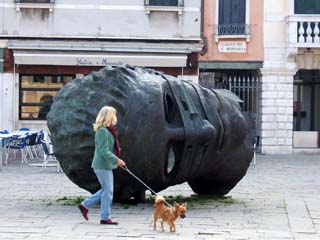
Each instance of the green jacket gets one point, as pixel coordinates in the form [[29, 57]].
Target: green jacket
[[104, 157]]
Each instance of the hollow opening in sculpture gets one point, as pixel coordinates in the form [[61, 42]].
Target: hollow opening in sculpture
[[170, 161], [169, 108]]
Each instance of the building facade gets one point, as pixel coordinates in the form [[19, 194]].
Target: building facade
[[44, 44], [291, 77], [232, 56], [267, 53]]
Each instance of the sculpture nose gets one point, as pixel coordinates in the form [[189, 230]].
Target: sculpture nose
[[176, 133]]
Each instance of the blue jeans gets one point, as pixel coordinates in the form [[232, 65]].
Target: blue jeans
[[104, 195]]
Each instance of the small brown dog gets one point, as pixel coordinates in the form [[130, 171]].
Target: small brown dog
[[167, 214]]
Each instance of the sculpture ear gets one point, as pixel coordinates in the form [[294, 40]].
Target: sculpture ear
[[176, 204], [185, 204]]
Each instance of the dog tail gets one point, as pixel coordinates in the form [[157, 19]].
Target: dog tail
[[159, 200]]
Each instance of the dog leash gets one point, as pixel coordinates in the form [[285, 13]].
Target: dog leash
[[152, 191]]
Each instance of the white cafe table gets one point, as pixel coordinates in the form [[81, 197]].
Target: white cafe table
[[7, 135]]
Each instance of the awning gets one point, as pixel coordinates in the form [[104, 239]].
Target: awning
[[89, 58]]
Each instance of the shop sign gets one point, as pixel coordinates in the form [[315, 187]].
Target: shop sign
[[97, 62], [232, 46]]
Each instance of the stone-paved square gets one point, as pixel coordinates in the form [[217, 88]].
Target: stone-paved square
[[279, 198]]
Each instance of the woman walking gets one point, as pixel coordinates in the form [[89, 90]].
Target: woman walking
[[106, 158]]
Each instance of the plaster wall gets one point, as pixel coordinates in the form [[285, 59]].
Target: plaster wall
[[127, 19], [7, 101], [254, 44]]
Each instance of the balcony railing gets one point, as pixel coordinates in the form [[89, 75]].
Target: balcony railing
[[34, 1], [34, 4], [304, 30], [232, 31], [164, 6], [172, 3]]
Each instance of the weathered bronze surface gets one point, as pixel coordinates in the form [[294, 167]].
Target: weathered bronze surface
[[171, 131]]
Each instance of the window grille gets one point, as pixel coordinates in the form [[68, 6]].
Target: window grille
[[173, 3], [246, 85]]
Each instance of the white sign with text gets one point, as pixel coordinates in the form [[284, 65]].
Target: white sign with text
[[232, 46]]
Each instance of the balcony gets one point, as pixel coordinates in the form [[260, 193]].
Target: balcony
[[164, 6], [304, 31], [232, 31], [34, 1], [43, 4]]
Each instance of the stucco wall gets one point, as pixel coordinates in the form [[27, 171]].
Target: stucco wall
[[7, 99], [101, 19], [254, 45]]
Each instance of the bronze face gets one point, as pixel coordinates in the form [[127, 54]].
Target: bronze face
[[170, 131]]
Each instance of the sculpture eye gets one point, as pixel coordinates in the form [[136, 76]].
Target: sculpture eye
[[170, 161], [169, 107], [174, 157]]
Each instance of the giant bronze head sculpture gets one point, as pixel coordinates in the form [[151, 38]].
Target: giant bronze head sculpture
[[170, 131]]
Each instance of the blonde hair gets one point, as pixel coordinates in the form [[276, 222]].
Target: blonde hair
[[105, 118]]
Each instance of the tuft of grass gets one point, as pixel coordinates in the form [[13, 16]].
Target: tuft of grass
[[70, 201], [126, 206], [196, 199]]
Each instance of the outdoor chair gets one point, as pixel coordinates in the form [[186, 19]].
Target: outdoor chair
[[18, 143], [38, 143], [31, 145], [5, 131], [256, 142], [49, 157], [4, 148], [24, 129]]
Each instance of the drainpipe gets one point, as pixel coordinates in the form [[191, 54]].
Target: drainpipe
[[204, 49], [2, 25], [15, 123]]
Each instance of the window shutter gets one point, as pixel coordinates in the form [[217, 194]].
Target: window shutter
[[232, 11]]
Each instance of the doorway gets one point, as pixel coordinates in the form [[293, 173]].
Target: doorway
[[306, 109]]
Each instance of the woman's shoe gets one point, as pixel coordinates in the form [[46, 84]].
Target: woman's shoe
[[108, 221], [84, 211]]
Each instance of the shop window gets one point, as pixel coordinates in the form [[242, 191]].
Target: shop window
[[36, 94], [232, 17], [307, 7]]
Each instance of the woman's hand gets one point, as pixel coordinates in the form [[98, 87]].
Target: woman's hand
[[121, 163]]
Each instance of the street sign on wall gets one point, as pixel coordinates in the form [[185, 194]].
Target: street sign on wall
[[232, 46]]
